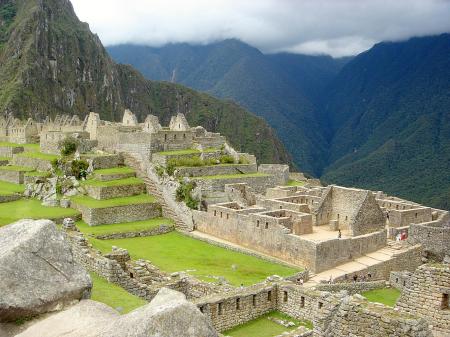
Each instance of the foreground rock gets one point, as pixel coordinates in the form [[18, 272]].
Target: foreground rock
[[168, 315], [37, 271]]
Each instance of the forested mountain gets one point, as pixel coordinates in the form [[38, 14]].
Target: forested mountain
[[51, 63], [389, 110], [380, 120], [282, 88]]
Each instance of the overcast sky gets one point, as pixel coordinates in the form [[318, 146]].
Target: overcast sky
[[335, 27]]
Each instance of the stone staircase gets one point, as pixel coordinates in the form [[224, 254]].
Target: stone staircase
[[134, 161]]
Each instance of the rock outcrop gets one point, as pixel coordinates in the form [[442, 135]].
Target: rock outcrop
[[169, 314], [37, 271]]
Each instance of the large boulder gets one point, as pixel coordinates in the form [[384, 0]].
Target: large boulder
[[168, 315], [38, 273]]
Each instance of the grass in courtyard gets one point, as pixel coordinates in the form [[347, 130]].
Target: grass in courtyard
[[115, 170], [38, 155], [387, 296], [295, 183], [4, 158], [263, 327], [127, 227], [187, 151], [16, 168], [113, 295], [35, 147], [232, 176], [38, 174], [176, 252], [117, 182], [93, 203], [31, 209], [7, 188]]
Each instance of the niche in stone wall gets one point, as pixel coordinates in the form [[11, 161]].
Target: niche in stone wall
[[444, 302]]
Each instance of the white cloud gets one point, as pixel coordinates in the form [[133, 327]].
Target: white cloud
[[335, 27]]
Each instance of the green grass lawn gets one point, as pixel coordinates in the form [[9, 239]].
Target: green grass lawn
[[117, 182], [38, 174], [127, 227], [7, 188], [232, 176], [115, 170], [4, 158], [16, 168], [28, 147], [295, 183], [175, 252], [93, 203], [263, 327], [113, 295], [387, 296], [31, 209], [38, 155]]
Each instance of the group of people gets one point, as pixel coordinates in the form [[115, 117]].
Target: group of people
[[401, 236]]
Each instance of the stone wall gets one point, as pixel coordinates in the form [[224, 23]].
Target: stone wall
[[36, 163], [9, 198], [214, 170], [401, 218], [114, 191], [103, 161], [15, 177], [400, 279], [259, 183], [352, 287], [434, 236], [237, 307], [427, 295], [9, 151], [118, 214], [162, 229], [279, 172]]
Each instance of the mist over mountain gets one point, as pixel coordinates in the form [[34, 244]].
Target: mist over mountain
[[380, 120], [51, 63]]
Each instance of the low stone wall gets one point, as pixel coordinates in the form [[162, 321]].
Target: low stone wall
[[214, 170], [109, 192], [228, 310], [434, 236], [9, 151], [15, 177], [259, 183], [36, 163], [103, 161], [109, 177], [118, 214], [353, 287], [162, 229], [400, 279], [9, 198]]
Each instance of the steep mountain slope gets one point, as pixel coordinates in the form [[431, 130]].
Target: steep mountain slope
[[389, 109], [282, 88], [51, 63]]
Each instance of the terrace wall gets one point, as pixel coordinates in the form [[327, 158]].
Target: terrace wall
[[108, 192], [36, 163]]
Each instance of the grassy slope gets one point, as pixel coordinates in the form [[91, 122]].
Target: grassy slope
[[31, 209], [38, 155], [175, 252], [7, 188], [117, 182], [115, 170], [387, 296], [135, 226], [263, 327], [113, 295]]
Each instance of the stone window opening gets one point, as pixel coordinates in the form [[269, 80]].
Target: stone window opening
[[221, 214], [165, 137], [396, 206], [238, 303], [404, 283], [131, 275], [215, 213], [174, 137], [202, 309], [220, 308], [346, 218], [396, 280], [445, 302], [184, 136], [228, 216], [338, 216], [320, 305], [415, 215], [285, 296], [257, 223], [267, 225], [269, 296], [254, 300], [302, 302]]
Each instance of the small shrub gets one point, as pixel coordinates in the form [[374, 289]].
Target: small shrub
[[226, 159], [159, 171], [55, 164], [184, 193], [68, 146], [79, 168], [243, 160]]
